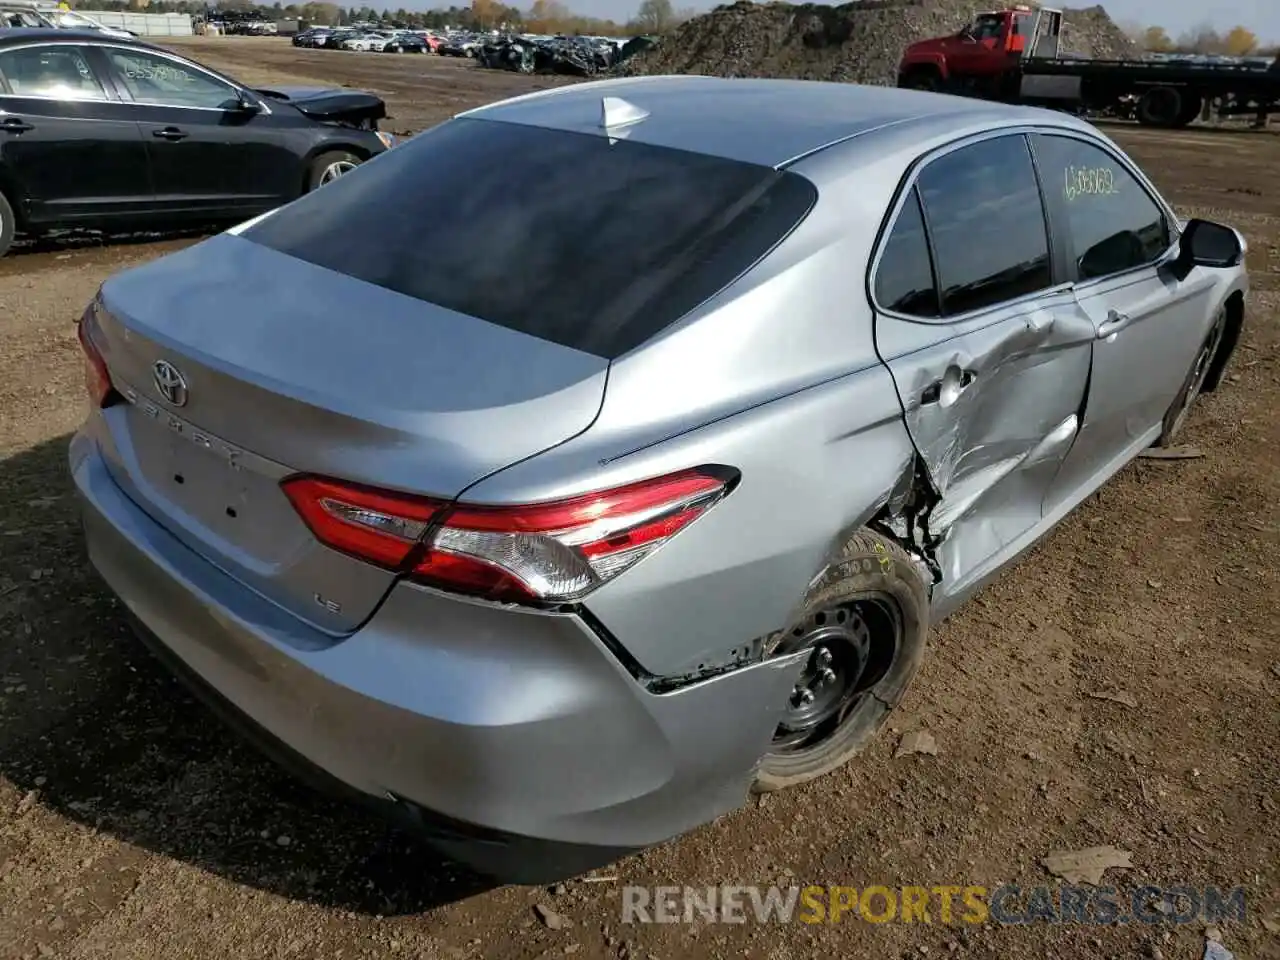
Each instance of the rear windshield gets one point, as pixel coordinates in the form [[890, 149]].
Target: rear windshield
[[564, 236]]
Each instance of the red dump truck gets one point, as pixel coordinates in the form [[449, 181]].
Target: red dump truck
[[1012, 55]]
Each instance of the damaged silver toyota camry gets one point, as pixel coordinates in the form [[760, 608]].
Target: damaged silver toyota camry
[[558, 529]]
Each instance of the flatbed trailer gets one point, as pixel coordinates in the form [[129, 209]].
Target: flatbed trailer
[[1012, 55]]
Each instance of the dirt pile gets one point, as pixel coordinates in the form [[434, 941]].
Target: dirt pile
[[859, 42]]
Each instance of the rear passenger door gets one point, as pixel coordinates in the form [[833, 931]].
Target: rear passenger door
[[989, 351]]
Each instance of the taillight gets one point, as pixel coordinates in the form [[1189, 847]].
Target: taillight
[[97, 380], [380, 527], [551, 552]]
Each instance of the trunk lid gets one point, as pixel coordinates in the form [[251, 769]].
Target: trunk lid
[[285, 368]]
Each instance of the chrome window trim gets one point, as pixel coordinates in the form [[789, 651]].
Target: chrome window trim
[[912, 175]]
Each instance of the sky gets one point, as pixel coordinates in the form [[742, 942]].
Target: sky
[[1260, 16]]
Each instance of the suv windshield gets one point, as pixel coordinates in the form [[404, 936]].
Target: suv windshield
[[590, 243], [22, 18]]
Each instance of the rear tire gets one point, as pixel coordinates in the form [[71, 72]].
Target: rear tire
[[8, 225], [329, 166], [1192, 104], [1176, 416], [1161, 107], [866, 622]]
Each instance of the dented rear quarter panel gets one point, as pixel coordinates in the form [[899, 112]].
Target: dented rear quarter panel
[[777, 377]]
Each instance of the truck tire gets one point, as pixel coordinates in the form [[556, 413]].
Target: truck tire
[[1162, 107], [1192, 104], [921, 78], [864, 622]]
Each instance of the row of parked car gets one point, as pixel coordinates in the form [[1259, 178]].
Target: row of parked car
[[373, 40]]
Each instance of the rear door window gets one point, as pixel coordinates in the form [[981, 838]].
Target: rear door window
[[569, 237], [904, 277], [985, 216], [53, 72]]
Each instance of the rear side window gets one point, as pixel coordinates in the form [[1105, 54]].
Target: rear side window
[[986, 220], [58, 72], [565, 236], [904, 276], [1113, 224]]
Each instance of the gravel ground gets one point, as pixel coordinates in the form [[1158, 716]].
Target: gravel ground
[[133, 827]]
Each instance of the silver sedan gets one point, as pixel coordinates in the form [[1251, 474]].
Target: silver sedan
[[558, 529]]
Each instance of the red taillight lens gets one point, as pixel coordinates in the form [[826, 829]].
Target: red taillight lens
[[97, 380], [371, 524], [546, 552]]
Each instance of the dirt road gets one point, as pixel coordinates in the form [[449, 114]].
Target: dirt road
[[133, 827]]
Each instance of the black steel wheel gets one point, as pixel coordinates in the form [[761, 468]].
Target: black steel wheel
[[851, 647], [863, 627]]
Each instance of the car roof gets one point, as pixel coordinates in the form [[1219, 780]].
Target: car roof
[[764, 121], [15, 36]]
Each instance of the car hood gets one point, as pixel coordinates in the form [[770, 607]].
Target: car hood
[[329, 103]]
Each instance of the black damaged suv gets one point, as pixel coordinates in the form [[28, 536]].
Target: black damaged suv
[[121, 134]]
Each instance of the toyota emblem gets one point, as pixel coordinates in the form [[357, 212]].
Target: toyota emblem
[[170, 382]]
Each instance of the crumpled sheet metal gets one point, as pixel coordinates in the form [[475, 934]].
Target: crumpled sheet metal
[[574, 56], [943, 430]]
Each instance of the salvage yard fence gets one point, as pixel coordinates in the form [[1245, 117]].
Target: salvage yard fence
[[145, 24]]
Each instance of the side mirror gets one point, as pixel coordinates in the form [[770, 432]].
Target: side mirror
[[246, 104], [1206, 244]]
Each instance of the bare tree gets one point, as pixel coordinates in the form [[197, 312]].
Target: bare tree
[[655, 16], [1202, 39]]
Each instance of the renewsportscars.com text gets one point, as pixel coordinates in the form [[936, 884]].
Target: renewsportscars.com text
[[947, 904]]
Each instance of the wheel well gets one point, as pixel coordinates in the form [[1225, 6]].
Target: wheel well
[[921, 69], [1227, 347], [19, 213]]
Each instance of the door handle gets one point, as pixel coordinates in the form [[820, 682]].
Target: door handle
[[1115, 322], [15, 125], [947, 389], [170, 133]]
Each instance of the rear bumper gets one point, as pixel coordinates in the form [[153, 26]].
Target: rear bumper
[[512, 740]]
